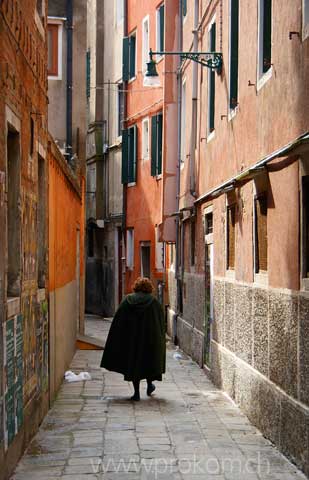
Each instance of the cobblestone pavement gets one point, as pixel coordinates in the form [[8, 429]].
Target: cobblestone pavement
[[97, 327], [188, 430]]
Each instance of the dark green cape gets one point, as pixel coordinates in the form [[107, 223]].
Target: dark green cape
[[135, 345]]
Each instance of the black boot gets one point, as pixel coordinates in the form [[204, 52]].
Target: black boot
[[150, 388], [136, 396]]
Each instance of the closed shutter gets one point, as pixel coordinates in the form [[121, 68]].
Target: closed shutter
[[160, 135], [154, 146], [184, 7], [234, 53], [231, 217], [261, 233], [212, 81], [132, 46], [305, 195], [125, 156], [125, 59], [267, 21], [88, 74], [161, 14], [134, 153]]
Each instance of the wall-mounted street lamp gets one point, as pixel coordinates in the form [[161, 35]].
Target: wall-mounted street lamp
[[211, 60]]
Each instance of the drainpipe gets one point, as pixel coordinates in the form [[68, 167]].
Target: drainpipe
[[179, 88], [124, 189], [69, 139], [194, 102]]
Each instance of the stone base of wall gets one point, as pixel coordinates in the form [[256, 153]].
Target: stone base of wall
[[34, 414], [279, 417]]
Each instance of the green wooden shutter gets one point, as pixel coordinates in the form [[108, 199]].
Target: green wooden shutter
[[267, 21], [161, 15], [184, 7], [212, 79], [234, 53], [125, 156], [132, 48], [160, 135], [125, 59], [134, 138], [154, 148], [88, 73]]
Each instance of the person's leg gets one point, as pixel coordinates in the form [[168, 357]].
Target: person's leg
[[136, 395], [150, 387]]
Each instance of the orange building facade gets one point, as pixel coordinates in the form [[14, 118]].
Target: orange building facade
[[149, 160]]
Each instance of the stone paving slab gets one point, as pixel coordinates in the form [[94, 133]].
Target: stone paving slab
[[188, 430]]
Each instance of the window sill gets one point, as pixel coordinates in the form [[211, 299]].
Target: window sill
[[54, 77], [264, 79], [131, 80], [232, 113], [13, 306], [132, 184], [261, 279], [211, 136], [159, 177], [230, 274], [305, 284], [209, 239]]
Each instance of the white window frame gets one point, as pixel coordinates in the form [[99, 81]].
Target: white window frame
[[183, 142], [130, 249], [119, 12], [305, 19], [262, 78], [58, 21], [145, 139], [159, 252], [145, 39], [159, 57]]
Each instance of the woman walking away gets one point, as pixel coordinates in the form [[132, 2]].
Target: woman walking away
[[135, 345]]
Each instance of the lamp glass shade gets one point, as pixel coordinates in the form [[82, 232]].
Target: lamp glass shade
[[150, 81]]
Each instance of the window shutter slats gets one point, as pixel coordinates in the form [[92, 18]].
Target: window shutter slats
[[261, 233], [267, 35], [125, 156], [160, 134], [134, 159], [162, 28], [212, 79], [234, 53], [125, 59], [153, 146], [132, 46], [231, 219], [88, 73]]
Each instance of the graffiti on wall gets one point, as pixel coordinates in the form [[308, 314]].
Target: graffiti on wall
[[13, 377]]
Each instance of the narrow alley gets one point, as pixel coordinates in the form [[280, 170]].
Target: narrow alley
[[187, 430]]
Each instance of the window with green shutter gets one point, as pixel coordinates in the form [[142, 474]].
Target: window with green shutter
[[129, 57], [184, 8], [211, 81], [129, 155], [156, 144], [234, 41], [267, 21], [160, 28]]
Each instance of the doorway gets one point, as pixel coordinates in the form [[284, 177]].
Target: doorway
[[209, 299], [145, 259]]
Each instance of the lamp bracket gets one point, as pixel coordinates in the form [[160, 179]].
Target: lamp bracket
[[211, 60]]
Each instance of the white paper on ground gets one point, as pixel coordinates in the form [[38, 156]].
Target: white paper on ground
[[72, 377]]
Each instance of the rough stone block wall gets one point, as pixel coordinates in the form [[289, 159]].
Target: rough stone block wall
[[259, 356], [190, 325]]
